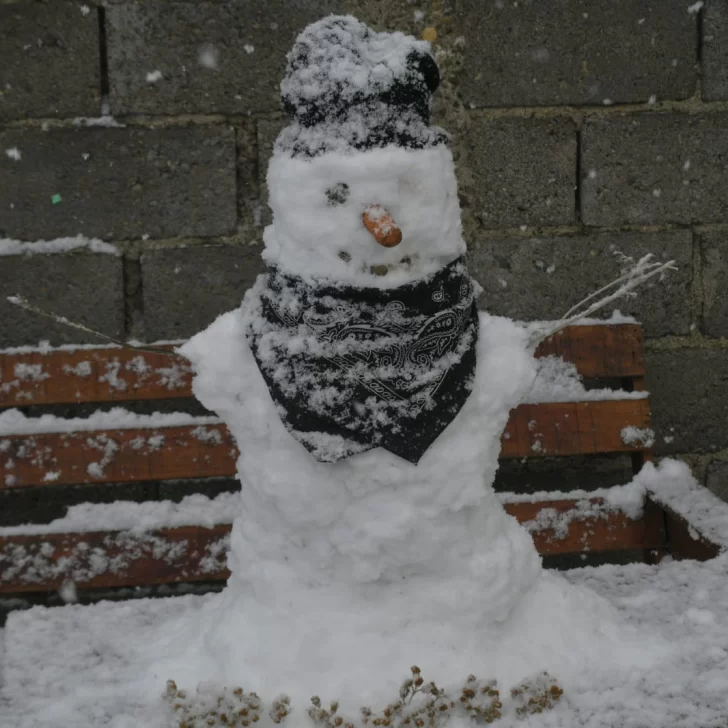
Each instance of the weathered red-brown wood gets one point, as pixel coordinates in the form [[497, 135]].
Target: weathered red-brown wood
[[601, 351], [116, 456], [115, 374], [32, 563], [576, 530], [91, 375], [113, 559], [573, 428]]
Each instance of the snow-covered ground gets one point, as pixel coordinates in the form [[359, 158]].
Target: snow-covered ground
[[107, 664], [90, 666]]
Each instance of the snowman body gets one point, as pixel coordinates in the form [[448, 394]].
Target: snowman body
[[347, 571]]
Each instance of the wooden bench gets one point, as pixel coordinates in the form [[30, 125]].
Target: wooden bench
[[40, 558]]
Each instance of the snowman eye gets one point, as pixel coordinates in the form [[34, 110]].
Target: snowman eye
[[338, 194]]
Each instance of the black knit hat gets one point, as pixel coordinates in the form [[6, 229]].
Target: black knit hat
[[374, 88]]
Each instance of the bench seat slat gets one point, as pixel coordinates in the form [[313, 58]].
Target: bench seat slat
[[115, 375], [36, 563], [118, 456]]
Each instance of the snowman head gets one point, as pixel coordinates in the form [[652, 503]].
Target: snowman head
[[362, 188]]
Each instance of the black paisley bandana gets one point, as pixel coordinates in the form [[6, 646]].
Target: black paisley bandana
[[350, 369]]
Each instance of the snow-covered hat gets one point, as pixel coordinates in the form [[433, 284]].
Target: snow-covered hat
[[360, 87]]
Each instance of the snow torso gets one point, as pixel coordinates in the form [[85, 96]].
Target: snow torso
[[372, 516], [344, 574]]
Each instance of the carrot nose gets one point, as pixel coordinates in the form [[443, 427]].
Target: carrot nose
[[382, 226]]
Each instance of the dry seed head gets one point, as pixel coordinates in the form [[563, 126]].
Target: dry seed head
[[255, 718], [415, 670]]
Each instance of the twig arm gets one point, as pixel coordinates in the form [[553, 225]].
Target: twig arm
[[26, 305]]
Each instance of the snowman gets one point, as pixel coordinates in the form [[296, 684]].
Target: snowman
[[368, 396]]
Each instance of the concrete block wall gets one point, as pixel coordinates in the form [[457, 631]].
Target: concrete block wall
[[580, 128]]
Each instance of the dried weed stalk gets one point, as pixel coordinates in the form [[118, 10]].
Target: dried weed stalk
[[420, 705]]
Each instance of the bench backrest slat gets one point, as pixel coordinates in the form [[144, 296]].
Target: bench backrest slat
[[116, 375], [533, 430]]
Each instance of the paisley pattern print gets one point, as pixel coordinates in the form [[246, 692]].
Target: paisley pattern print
[[357, 368]]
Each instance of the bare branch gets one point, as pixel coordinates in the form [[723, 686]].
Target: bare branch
[[633, 277]]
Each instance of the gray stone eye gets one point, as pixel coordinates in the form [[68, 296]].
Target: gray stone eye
[[338, 194]]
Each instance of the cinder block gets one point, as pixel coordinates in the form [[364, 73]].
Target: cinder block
[[85, 287], [523, 171], [715, 50], [689, 394], [654, 168], [49, 60], [186, 288], [203, 57], [542, 278], [714, 252], [717, 479], [118, 183], [591, 52]]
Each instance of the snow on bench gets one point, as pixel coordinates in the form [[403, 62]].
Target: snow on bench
[[96, 547]]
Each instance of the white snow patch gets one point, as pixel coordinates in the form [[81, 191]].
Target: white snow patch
[[105, 120], [638, 436], [82, 369], [193, 510], [44, 347], [154, 76], [249, 48], [14, 422], [672, 484], [14, 154], [59, 245], [208, 56], [85, 9], [30, 372], [695, 8], [68, 592]]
